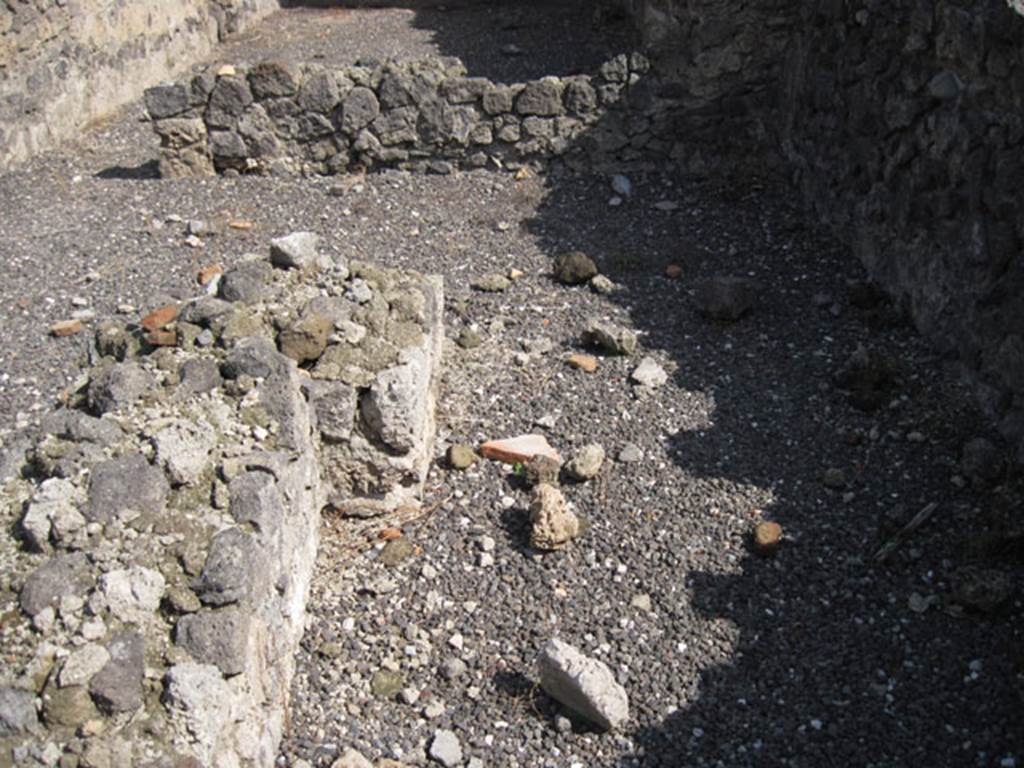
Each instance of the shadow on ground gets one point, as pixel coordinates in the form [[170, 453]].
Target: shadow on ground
[[515, 40], [833, 658]]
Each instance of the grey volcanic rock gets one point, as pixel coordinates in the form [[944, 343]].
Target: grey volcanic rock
[[232, 567], [68, 574], [248, 282], [584, 685], [166, 100], [216, 637], [727, 298], [206, 310], [256, 357], [118, 686], [334, 403], [255, 499], [117, 386], [613, 339], [17, 711], [272, 79], [541, 97], [358, 109], [574, 268], [128, 482], [198, 376]]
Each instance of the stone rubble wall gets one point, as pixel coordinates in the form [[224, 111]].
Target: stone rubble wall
[[902, 123], [425, 115], [165, 522], [65, 63], [905, 122]]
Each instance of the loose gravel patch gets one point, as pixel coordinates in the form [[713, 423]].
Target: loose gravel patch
[[728, 658]]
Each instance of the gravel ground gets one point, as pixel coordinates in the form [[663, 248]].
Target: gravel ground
[[816, 655]]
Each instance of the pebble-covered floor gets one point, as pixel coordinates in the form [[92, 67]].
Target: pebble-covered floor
[[814, 656]]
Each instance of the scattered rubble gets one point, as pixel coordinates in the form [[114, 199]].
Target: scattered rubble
[[584, 685], [519, 450]]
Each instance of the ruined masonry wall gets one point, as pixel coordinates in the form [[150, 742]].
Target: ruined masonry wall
[[166, 521], [902, 123], [64, 63], [421, 115]]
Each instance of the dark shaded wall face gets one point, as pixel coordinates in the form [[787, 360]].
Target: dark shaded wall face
[[902, 123]]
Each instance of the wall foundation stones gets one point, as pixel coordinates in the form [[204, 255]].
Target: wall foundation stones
[[424, 115], [169, 550]]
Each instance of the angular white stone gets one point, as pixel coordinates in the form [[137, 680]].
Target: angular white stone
[[649, 373], [586, 686], [83, 664], [445, 748], [184, 449], [55, 499], [132, 594], [200, 704]]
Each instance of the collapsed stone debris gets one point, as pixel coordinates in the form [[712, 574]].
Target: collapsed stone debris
[[169, 515]]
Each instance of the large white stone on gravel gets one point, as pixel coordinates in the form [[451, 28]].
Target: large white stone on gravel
[[585, 685], [649, 373], [132, 594], [299, 250], [446, 749]]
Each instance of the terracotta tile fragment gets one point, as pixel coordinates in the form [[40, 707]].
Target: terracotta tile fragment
[[160, 317], [518, 449], [66, 328], [587, 363], [207, 273]]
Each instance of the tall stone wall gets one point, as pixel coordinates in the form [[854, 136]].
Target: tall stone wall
[[905, 122], [902, 124], [64, 63]]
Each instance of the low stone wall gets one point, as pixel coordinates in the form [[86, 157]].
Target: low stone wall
[[64, 64], [421, 115], [167, 519]]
